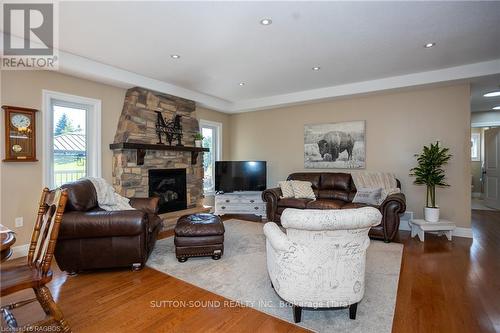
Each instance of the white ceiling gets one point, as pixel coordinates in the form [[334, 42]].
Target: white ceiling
[[360, 46]]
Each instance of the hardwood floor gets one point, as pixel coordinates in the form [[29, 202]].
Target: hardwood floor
[[444, 287]]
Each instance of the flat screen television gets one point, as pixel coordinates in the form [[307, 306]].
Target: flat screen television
[[232, 176]]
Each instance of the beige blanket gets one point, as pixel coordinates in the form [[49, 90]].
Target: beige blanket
[[385, 180]]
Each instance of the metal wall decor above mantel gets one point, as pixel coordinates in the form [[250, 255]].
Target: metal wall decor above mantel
[[141, 149]]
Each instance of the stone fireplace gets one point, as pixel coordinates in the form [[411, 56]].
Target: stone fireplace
[[133, 168]]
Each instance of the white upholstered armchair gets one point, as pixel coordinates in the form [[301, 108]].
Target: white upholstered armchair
[[320, 261]]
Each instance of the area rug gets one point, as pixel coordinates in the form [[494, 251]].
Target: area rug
[[241, 275]]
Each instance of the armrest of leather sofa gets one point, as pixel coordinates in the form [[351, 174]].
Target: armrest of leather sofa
[[396, 201], [271, 197], [93, 224], [148, 205], [391, 208]]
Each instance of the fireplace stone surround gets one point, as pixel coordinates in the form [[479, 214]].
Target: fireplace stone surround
[[137, 125]]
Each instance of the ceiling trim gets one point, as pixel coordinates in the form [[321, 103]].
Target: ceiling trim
[[93, 70], [86, 68], [395, 82]]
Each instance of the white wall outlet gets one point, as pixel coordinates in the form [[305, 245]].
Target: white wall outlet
[[19, 222]]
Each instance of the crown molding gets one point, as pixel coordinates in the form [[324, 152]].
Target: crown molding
[[86, 68], [396, 82]]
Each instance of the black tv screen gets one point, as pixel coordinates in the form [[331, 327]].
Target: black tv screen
[[231, 176]]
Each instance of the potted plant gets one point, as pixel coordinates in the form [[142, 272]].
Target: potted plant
[[198, 138], [430, 172]]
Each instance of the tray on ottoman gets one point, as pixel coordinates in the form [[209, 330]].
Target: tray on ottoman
[[199, 235]]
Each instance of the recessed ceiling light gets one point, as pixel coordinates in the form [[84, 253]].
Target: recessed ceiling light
[[175, 56], [429, 45], [241, 84], [316, 68], [496, 107], [266, 21], [492, 94]]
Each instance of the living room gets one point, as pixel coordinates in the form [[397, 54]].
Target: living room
[[315, 121]]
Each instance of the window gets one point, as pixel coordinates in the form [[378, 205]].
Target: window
[[475, 152], [72, 138], [212, 133]]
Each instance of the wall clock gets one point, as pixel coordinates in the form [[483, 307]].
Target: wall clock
[[20, 135]]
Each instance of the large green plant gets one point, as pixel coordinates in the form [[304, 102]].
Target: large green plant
[[429, 170]]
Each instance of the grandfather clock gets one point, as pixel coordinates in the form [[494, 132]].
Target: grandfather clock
[[20, 134]]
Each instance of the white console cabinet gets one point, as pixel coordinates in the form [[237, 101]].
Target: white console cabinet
[[240, 203]]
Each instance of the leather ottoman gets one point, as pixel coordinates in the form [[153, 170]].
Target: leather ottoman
[[199, 235]]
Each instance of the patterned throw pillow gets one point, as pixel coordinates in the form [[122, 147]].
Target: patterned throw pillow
[[302, 190], [370, 196], [286, 189]]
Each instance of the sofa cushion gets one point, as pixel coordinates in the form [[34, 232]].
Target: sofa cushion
[[307, 177], [334, 195], [325, 204], [335, 181], [293, 203], [81, 195]]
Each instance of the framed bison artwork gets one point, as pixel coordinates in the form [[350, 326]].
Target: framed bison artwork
[[335, 145]]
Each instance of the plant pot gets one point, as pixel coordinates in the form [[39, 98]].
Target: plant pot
[[431, 214], [197, 143]]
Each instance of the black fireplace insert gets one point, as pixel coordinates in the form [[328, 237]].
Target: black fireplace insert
[[170, 186]]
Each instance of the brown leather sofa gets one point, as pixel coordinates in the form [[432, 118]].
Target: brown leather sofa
[[92, 238], [336, 191]]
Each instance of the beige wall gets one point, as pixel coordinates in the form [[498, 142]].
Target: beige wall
[[21, 183], [224, 119], [397, 126]]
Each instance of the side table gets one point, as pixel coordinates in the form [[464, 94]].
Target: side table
[[419, 227]]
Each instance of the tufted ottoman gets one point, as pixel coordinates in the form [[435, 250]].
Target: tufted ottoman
[[199, 235]]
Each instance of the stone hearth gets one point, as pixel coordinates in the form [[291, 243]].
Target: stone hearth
[[137, 125]]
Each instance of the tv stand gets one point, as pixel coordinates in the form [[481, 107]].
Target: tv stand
[[248, 202]]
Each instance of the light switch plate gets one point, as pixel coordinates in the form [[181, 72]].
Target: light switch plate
[[19, 222]]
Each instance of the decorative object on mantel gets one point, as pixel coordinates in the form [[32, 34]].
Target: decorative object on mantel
[[430, 172], [198, 140], [335, 146], [172, 129], [20, 134], [142, 147]]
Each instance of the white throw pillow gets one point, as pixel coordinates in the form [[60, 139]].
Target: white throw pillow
[[286, 189], [302, 190], [370, 196]]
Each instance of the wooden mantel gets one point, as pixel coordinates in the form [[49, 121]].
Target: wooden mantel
[[141, 149]]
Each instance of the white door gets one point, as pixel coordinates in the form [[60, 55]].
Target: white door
[[492, 168]]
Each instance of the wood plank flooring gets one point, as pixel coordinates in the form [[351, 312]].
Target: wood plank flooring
[[444, 287]]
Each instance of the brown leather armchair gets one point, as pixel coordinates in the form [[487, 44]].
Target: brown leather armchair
[[92, 238], [336, 190]]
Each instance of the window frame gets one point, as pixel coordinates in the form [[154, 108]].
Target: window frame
[[92, 128], [218, 147], [477, 138]]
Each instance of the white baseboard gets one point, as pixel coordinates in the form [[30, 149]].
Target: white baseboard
[[20, 251], [462, 232], [476, 194]]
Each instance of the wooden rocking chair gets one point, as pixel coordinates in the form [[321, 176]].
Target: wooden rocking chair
[[36, 273]]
